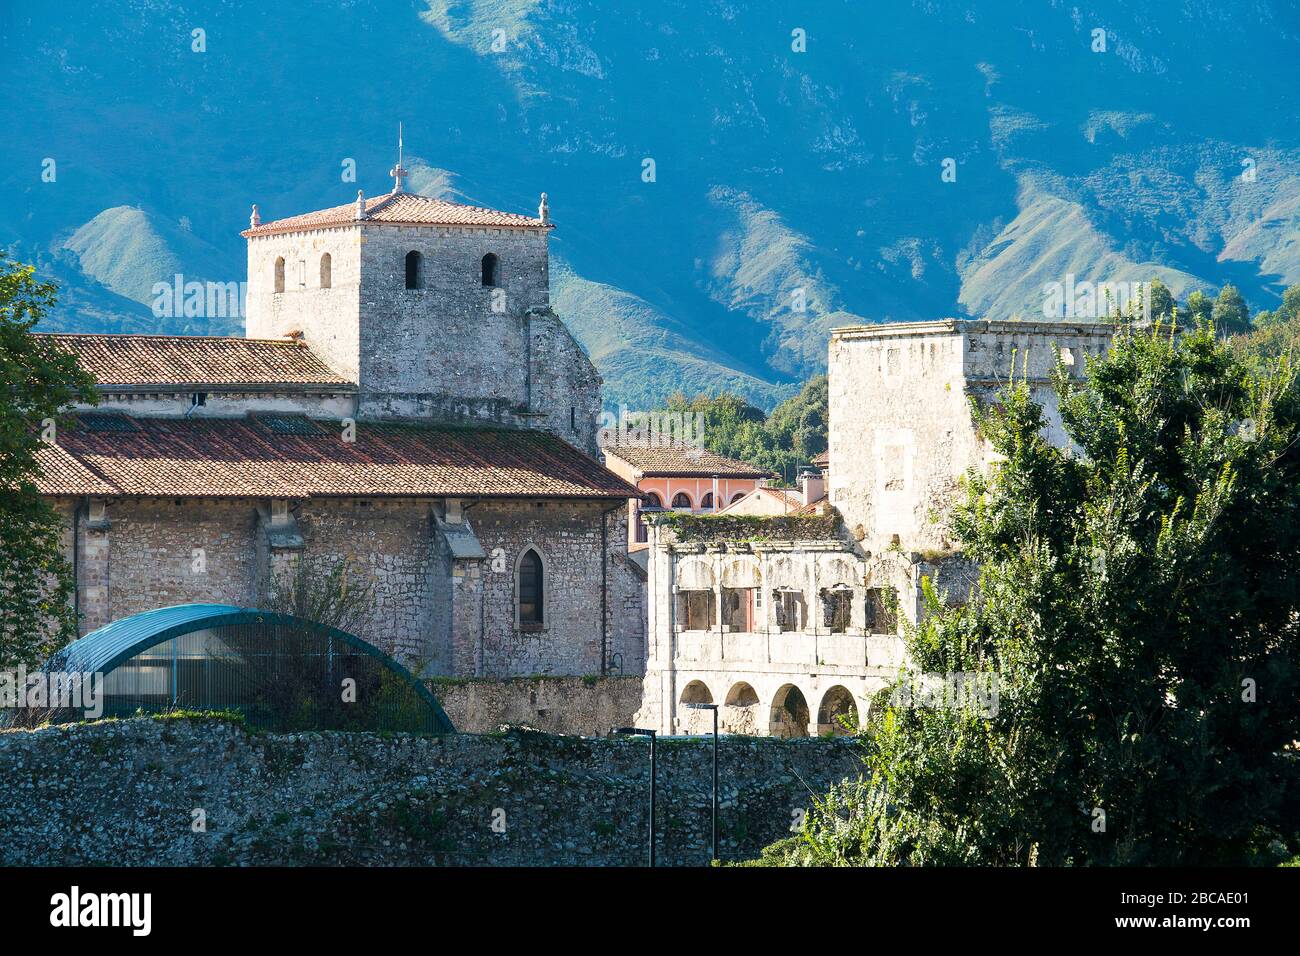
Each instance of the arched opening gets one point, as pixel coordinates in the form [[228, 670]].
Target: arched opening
[[693, 721], [490, 269], [740, 713], [707, 500], [737, 496], [681, 500], [652, 501], [789, 717], [279, 274], [696, 692], [531, 589], [838, 713], [326, 271], [413, 264]]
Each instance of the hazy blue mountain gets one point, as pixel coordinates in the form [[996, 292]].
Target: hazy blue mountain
[[793, 191]]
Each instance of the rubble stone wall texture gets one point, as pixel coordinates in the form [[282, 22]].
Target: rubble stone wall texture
[[126, 793], [557, 705]]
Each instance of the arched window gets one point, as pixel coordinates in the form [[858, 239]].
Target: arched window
[[413, 270], [681, 500], [707, 500], [652, 500], [326, 271], [737, 496], [490, 270], [530, 588], [279, 274]]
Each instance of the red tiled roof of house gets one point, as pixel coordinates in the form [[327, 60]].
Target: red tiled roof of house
[[682, 461], [822, 460], [819, 507], [248, 457], [62, 474], [404, 208], [143, 360]]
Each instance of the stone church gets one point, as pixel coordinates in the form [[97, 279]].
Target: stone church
[[405, 398]]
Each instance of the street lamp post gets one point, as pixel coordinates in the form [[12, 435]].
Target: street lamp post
[[641, 732], [714, 708]]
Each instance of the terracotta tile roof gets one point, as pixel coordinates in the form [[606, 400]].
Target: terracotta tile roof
[[406, 208], [682, 461], [62, 474], [142, 360], [822, 460], [246, 457], [819, 507]]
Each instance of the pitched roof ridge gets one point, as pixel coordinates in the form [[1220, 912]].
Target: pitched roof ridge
[[173, 337]]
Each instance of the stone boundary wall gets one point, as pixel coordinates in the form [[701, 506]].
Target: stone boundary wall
[[587, 706], [126, 793]]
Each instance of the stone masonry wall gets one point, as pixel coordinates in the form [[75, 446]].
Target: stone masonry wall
[[125, 793], [326, 317], [434, 617], [558, 705], [445, 338], [568, 539], [152, 561]]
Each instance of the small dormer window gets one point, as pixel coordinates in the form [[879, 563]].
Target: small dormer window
[[491, 267], [326, 271], [413, 265], [279, 274]]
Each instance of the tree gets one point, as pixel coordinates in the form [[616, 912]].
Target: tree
[[1288, 310], [38, 380], [1199, 307], [1231, 315], [1162, 300], [781, 443], [1136, 606]]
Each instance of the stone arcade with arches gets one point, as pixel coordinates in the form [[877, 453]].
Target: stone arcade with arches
[[795, 628]]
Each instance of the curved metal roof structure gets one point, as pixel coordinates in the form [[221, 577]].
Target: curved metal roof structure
[[103, 650]]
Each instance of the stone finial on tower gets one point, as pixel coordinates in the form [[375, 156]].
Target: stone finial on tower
[[544, 210], [360, 212], [255, 219], [398, 172]]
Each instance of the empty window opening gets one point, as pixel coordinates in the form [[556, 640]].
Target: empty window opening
[[738, 609], [490, 269], [413, 267], [696, 610], [881, 611], [790, 610], [837, 609]]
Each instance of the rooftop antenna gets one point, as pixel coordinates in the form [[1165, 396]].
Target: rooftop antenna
[[398, 172]]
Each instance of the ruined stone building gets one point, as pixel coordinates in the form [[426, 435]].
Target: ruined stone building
[[405, 398], [790, 626]]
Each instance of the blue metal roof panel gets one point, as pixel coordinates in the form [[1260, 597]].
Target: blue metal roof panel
[[104, 648], [101, 647]]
